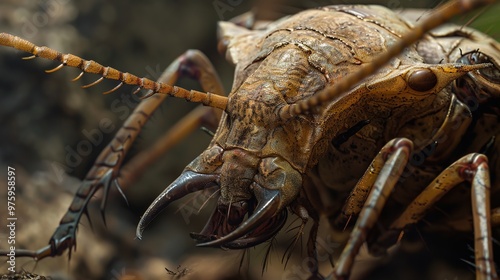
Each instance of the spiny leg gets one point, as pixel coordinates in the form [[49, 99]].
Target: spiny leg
[[356, 199], [105, 170], [474, 169], [394, 157]]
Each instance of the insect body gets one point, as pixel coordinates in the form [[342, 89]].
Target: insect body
[[296, 137]]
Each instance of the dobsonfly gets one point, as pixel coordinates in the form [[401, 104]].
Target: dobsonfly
[[300, 124]]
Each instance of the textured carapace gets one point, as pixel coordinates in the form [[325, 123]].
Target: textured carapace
[[255, 154], [318, 99]]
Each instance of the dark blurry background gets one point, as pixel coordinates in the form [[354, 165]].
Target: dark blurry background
[[45, 117]]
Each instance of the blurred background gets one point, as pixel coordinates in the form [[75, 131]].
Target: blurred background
[[46, 118]]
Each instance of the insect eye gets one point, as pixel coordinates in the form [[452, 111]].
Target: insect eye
[[477, 57], [492, 74], [422, 80]]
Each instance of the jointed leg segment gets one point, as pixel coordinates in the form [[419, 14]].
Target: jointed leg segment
[[379, 180], [472, 168], [106, 169], [393, 156]]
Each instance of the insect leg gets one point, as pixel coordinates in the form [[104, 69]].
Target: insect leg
[[474, 169], [312, 251], [393, 158], [105, 170], [198, 67], [304, 210], [357, 198]]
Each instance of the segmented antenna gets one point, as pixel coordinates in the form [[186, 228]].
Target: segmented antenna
[[90, 66], [436, 18]]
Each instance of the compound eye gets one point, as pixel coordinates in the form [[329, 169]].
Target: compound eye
[[490, 73], [422, 80], [478, 57]]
